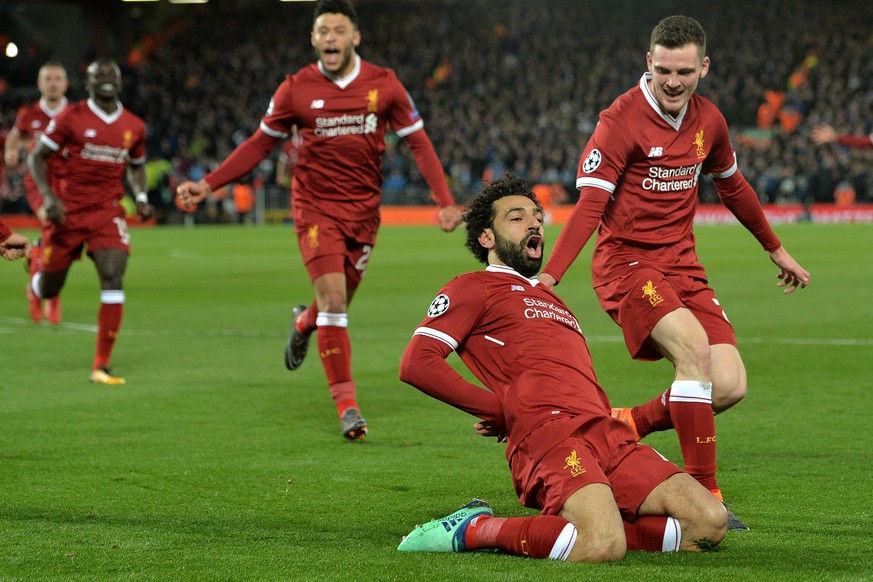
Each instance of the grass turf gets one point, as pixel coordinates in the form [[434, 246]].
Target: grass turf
[[215, 463]]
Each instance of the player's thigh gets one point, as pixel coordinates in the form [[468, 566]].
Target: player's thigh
[[111, 264], [637, 302], [592, 510], [680, 337]]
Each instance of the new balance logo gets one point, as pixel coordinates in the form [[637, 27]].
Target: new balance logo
[[317, 104], [516, 288], [656, 152]]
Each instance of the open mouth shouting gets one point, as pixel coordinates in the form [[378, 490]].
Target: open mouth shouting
[[534, 246]]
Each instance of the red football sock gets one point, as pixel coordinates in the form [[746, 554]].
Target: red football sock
[[108, 324], [539, 536], [335, 350], [653, 533], [305, 322], [342, 405], [654, 415], [35, 260], [691, 410]]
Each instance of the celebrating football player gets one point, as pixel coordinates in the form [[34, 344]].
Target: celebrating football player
[[638, 180], [342, 107], [600, 492], [103, 142]]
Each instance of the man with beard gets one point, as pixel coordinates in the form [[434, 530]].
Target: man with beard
[[638, 182], [102, 142], [341, 106], [600, 492]]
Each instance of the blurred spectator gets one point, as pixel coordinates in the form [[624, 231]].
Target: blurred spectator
[[509, 85]]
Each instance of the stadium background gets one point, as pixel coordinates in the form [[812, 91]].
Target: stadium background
[[503, 85], [215, 463]]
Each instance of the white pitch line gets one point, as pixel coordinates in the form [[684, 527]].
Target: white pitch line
[[72, 326]]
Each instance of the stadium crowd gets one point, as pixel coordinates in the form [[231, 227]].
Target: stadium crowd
[[509, 86]]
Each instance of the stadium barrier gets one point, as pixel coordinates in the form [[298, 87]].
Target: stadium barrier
[[706, 214]]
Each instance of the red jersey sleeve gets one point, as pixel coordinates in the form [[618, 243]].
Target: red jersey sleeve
[[22, 123], [580, 226], [856, 141], [740, 198], [242, 160], [601, 166], [406, 121], [280, 117], [275, 126], [430, 167], [5, 231], [450, 320], [424, 366]]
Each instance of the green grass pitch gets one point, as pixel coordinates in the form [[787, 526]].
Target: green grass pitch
[[215, 463]]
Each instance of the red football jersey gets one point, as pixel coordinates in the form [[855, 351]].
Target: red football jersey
[[5, 231], [342, 124], [651, 164], [497, 320], [32, 120], [98, 148]]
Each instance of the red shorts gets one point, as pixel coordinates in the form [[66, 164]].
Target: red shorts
[[330, 245], [638, 301], [100, 229], [600, 451]]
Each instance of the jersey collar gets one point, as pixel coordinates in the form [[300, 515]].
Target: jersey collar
[[675, 123], [510, 271], [53, 112], [106, 117], [345, 81]]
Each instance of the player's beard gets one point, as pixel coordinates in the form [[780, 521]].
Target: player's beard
[[346, 56], [515, 255]]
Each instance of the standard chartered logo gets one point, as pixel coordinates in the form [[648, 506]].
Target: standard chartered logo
[[103, 153], [346, 125], [371, 123], [536, 309], [672, 179]]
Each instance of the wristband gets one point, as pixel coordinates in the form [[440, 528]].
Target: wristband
[[142, 197]]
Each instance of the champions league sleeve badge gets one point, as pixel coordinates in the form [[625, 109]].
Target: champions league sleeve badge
[[438, 306], [592, 162]]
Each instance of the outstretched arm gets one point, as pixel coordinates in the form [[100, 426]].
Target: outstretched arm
[[424, 366], [824, 133], [740, 198], [239, 163], [432, 171], [581, 225], [791, 274]]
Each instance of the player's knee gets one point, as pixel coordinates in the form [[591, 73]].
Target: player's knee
[[710, 525], [727, 397], [728, 388], [599, 547]]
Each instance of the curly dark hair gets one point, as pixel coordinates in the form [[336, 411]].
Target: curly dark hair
[[479, 214], [676, 31], [336, 7]]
